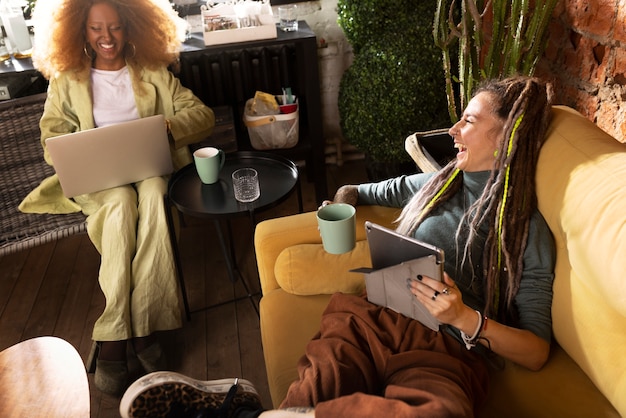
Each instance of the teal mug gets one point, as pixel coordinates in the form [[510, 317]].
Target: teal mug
[[337, 225], [209, 161]]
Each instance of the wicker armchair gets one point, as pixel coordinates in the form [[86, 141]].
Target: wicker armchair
[[22, 168]]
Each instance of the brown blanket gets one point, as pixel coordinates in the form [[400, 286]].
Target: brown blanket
[[368, 361]]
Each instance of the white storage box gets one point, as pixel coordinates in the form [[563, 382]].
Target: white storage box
[[223, 26]]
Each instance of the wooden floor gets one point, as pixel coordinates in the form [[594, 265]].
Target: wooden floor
[[53, 290]]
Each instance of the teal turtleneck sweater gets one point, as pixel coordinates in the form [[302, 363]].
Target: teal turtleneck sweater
[[534, 298]]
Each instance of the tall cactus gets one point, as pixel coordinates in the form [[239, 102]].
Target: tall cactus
[[514, 44]]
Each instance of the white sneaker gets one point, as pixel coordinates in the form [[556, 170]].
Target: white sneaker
[[169, 394]]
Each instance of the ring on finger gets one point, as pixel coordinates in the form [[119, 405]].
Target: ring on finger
[[435, 295], [446, 291]]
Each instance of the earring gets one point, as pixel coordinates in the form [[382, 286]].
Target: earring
[[495, 154], [86, 51], [134, 49]]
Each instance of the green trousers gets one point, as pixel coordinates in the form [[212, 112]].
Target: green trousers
[[128, 227]]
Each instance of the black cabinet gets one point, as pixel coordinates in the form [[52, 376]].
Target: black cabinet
[[230, 74]]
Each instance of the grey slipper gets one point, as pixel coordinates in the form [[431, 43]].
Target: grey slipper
[[111, 377], [152, 358]]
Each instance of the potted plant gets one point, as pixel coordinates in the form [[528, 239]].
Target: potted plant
[[394, 86]]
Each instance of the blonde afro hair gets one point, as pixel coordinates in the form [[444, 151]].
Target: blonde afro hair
[[153, 30]]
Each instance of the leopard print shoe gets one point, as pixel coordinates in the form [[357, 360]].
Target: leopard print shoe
[[169, 394]]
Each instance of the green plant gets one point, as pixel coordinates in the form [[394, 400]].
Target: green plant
[[394, 86], [365, 21], [382, 100], [29, 6], [494, 38]]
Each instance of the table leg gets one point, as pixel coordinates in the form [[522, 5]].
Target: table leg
[[177, 263], [228, 251], [299, 193]]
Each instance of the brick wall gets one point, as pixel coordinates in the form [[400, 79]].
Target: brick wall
[[586, 60]]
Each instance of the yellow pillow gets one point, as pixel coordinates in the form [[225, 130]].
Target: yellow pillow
[[306, 269], [581, 178]]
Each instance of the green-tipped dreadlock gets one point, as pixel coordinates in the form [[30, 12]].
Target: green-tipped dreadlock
[[496, 299], [445, 187]]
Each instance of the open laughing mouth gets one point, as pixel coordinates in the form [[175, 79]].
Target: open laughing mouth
[[107, 47], [460, 147]]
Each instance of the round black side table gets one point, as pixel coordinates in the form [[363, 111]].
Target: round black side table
[[278, 178]]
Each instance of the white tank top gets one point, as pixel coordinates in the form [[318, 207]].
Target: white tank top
[[113, 97]]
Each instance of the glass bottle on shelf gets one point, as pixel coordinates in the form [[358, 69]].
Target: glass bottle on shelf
[[15, 27]]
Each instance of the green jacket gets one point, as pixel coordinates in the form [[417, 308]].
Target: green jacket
[[69, 108]]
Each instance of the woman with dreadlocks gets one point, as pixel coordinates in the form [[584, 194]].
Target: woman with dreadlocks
[[495, 300], [497, 291]]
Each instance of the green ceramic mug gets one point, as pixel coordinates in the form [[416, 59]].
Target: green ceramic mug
[[209, 161], [337, 225]]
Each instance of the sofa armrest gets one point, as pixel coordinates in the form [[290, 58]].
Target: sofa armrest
[[274, 235]]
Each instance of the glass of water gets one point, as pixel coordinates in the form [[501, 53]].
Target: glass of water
[[288, 17], [246, 185]]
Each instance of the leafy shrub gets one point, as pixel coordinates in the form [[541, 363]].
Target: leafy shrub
[[395, 85]]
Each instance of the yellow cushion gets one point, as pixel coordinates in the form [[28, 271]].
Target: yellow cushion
[[288, 323], [565, 391], [272, 236], [307, 269], [581, 179]]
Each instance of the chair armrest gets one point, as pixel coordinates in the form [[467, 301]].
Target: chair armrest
[[274, 235], [430, 150]]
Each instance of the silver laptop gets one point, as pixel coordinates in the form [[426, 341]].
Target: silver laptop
[[101, 158], [395, 258]]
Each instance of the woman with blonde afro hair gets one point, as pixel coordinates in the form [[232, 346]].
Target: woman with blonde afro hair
[[107, 63]]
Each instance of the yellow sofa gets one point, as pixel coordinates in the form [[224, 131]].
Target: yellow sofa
[[581, 186]]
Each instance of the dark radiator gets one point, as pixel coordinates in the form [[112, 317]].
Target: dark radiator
[[232, 77]]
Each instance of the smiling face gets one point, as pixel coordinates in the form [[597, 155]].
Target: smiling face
[[106, 36], [477, 135]]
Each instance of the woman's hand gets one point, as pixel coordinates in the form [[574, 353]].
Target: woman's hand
[[345, 194], [445, 302]]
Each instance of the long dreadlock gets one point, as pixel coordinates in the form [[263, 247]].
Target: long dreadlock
[[508, 200]]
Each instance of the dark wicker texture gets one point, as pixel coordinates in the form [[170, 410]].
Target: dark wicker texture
[[22, 168]]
